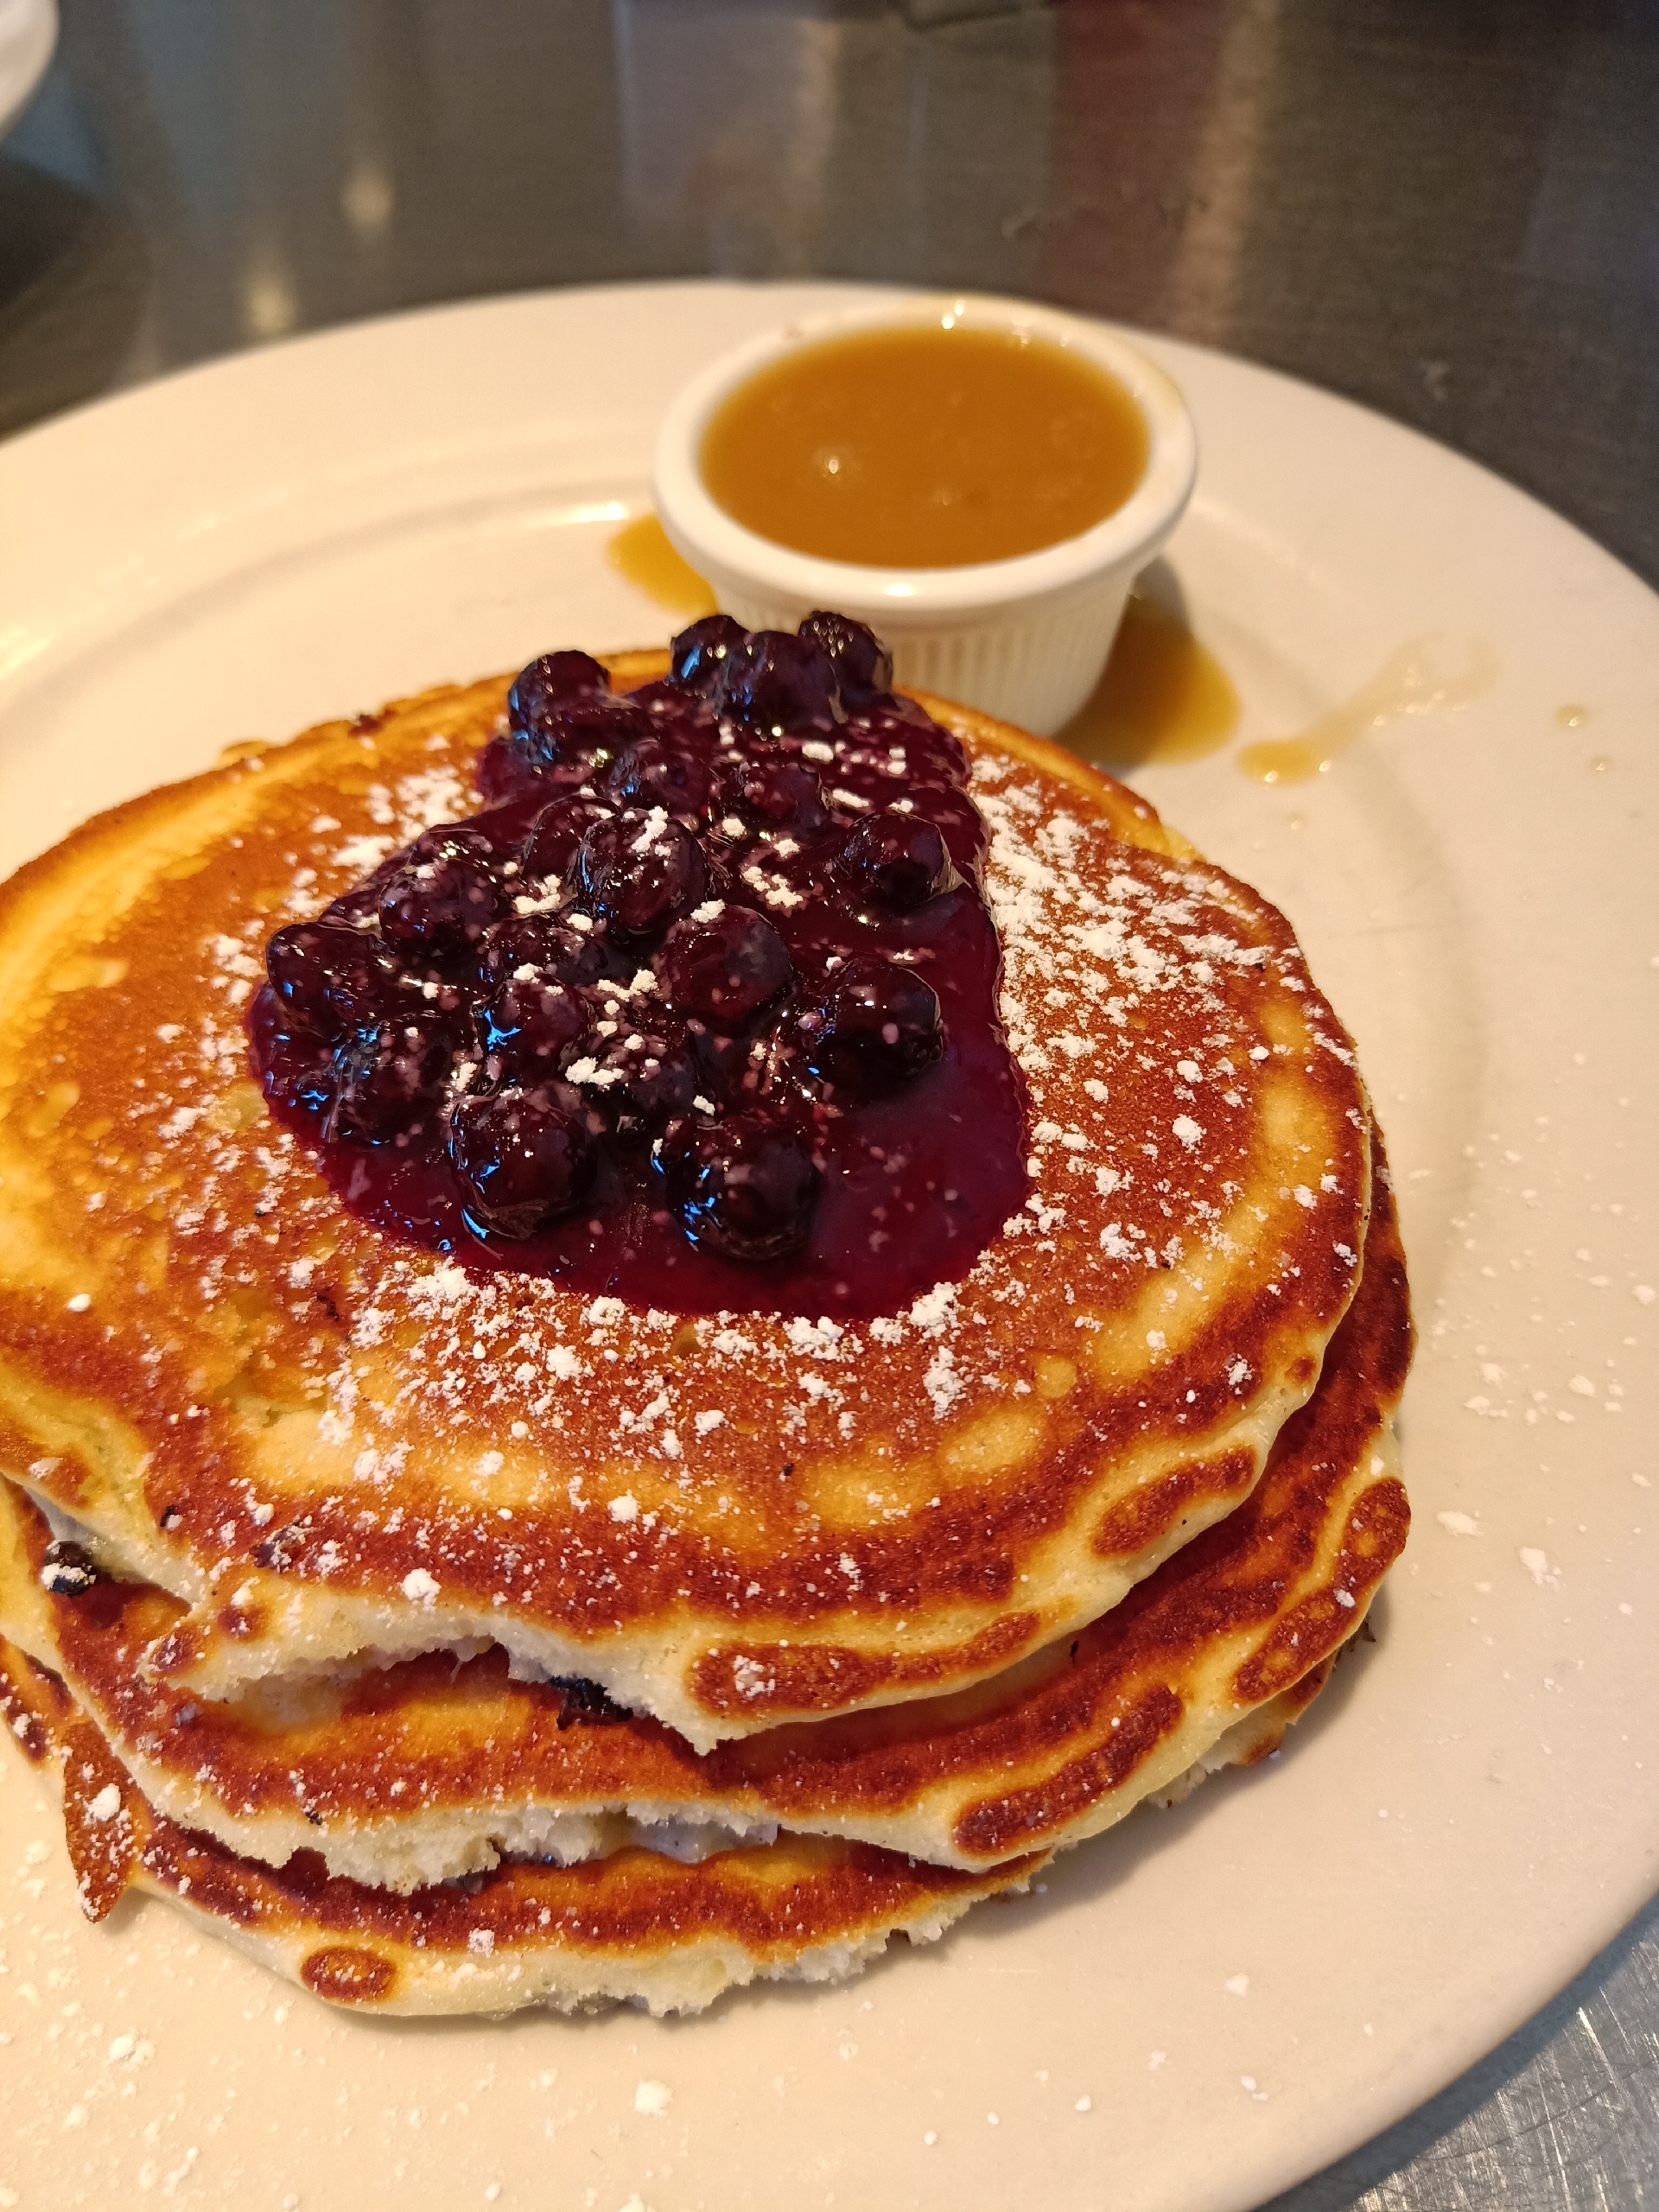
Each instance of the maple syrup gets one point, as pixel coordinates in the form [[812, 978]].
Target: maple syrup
[[641, 551], [1418, 679], [1161, 696], [931, 446]]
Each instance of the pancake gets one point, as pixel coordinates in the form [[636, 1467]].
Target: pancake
[[335, 1449], [432, 1769], [636, 1928]]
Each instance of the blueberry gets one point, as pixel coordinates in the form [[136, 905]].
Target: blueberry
[[329, 975], [899, 860], [443, 899], [778, 681], [725, 969], [68, 1571], [662, 1078], [359, 907], [550, 846], [862, 663], [388, 1082], [520, 1158], [777, 793], [656, 771], [599, 727], [548, 684], [589, 731], [517, 763], [488, 839], [683, 716], [639, 871], [746, 1188], [528, 1024], [933, 752], [573, 739], [295, 1067], [876, 1026], [697, 655], [723, 1058], [560, 953]]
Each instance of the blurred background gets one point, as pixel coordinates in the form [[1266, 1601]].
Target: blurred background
[[1446, 209]]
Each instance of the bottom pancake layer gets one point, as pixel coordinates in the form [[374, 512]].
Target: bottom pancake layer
[[635, 1927]]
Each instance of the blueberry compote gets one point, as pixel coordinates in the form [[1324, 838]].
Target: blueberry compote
[[700, 1010]]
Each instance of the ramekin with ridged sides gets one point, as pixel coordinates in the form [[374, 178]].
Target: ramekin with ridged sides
[[1024, 640]]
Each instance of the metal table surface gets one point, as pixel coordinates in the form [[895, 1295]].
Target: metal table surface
[[1447, 210]]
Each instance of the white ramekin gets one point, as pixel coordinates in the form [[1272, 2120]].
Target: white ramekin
[[1023, 639]]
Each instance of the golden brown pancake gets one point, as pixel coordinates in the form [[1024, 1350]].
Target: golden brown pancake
[[331, 1447], [430, 1768], [636, 1927]]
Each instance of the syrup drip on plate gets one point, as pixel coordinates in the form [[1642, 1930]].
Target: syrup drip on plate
[[1161, 696], [641, 551], [1418, 679]]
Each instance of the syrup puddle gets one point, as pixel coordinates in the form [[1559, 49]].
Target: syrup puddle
[[1418, 679], [641, 552], [1161, 695]]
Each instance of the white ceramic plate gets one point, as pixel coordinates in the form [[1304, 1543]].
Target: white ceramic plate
[[1473, 1809], [28, 32]]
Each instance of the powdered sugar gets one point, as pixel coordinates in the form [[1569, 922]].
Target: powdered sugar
[[1131, 989], [1145, 946]]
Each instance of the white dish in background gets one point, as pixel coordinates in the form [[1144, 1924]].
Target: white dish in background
[[29, 34], [1244, 1988], [1023, 639]]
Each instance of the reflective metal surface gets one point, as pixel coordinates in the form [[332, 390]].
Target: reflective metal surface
[[1448, 210]]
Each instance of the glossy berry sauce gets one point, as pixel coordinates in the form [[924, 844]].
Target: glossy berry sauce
[[700, 1010]]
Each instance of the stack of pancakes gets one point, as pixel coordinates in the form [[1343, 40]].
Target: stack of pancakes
[[458, 1642]]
